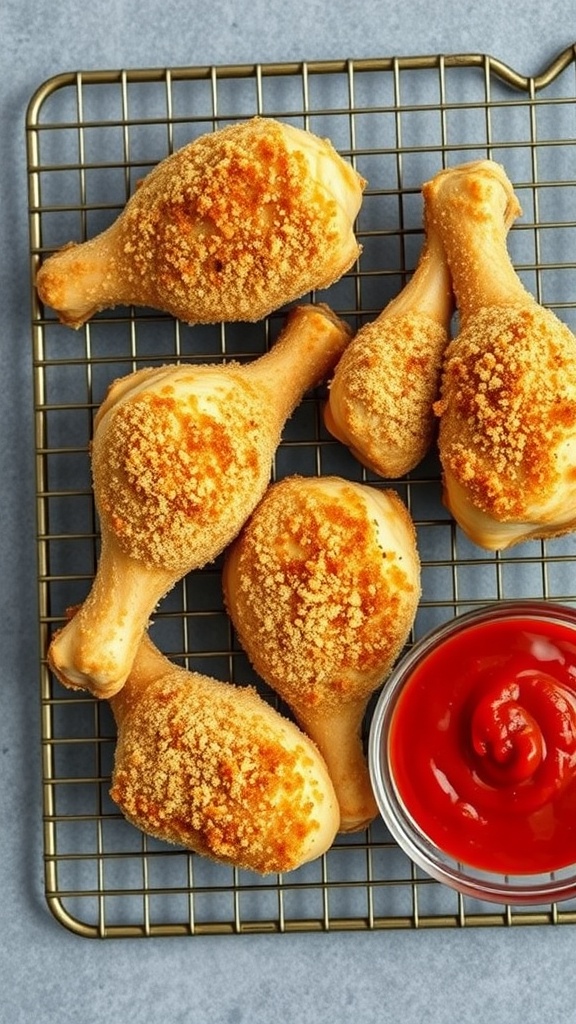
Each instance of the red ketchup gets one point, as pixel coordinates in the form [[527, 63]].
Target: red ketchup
[[483, 745]]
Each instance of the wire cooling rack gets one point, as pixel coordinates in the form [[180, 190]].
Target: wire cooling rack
[[90, 137]]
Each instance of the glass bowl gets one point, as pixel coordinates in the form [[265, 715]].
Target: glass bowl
[[434, 842]]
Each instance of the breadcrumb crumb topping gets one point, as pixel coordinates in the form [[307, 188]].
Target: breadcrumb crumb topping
[[232, 220], [320, 606], [388, 414], [202, 764], [508, 400], [171, 475]]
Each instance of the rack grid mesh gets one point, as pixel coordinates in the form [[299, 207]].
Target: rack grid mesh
[[90, 137]]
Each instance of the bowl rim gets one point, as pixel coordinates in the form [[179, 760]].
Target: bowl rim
[[521, 889]]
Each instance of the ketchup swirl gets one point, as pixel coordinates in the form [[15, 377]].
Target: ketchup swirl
[[508, 740], [483, 744], [523, 734]]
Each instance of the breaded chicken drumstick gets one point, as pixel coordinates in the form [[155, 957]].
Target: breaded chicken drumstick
[[180, 457], [381, 397], [322, 586], [230, 227], [507, 411], [216, 769]]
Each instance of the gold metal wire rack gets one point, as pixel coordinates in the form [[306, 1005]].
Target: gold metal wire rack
[[90, 137]]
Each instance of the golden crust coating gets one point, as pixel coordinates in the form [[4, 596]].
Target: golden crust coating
[[508, 400], [230, 227], [383, 389], [181, 455], [214, 768], [507, 435], [254, 216], [384, 416], [162, 461], [322, 586], [320, 605]]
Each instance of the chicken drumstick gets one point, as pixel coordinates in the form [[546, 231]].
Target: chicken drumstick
[[382, 394], [214, 768], [322, 586], [507, 410], [180, 457], [230, 227]]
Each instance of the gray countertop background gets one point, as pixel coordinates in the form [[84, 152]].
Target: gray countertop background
[[50, 975]]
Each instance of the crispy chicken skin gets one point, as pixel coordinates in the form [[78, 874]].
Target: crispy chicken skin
[[214, 768], [230, 227], [507, 436], [384, 387], [322, 587], [180, 457]]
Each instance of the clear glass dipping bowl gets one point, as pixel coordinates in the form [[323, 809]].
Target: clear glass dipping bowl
[[520, 889]]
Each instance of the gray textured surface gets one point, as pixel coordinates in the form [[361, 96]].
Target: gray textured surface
[[46, 974]]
